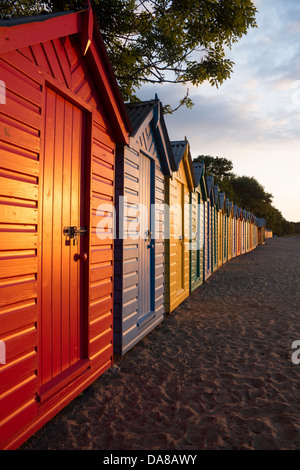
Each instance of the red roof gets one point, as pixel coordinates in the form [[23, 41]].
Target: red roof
[[23, 32]]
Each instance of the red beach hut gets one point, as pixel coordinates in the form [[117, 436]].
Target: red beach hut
[[62, 118]]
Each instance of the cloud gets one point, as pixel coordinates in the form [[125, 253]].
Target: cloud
[[253, 118]]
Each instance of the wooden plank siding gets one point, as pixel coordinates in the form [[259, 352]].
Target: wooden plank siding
[[139, 298], [177, 256], [197, 199], [220, 238], [230, 228], [211, 228], [243, 234], [56, 64], [234, 231], [225, 238], [247, 231], [19, 284], [215, 238]]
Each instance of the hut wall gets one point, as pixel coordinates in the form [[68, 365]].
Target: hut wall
[[220, 238], [208, 240], [139, 275], [234, 237], [51, 98], [215, 239], [177, 254], [225, 238], [197, 240]]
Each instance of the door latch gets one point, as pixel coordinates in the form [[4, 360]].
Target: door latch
[[72, 232]]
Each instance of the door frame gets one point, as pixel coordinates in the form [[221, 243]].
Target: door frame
[[183, 214], [84, 363], [149, 315]]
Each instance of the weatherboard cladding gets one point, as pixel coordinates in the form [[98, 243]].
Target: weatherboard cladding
[[177, 191], [234, 231], [198, 196], [147, 152], [230, 228], [208, 224], [54, 72], [216, 228], [212, 196], [223, 204], [220, 237]]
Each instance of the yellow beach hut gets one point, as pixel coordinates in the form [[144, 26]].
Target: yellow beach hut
[[177, 199]]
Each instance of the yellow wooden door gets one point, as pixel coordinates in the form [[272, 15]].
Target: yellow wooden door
[[179, 236]]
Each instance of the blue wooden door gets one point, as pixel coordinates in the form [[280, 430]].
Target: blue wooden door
[[146, 242]]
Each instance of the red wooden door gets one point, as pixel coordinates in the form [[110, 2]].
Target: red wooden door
[[62, 268]]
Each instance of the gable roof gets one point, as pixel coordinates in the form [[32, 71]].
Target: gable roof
[[144, 113], [216, 196], [181, 152], [138, 113], [222, 201], [22, 32], [209, 185], [229, 207], [210, 189], [179, 147], [199, 170], [261, 222]]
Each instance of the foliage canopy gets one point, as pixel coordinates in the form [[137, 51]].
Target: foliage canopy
[[161, 41], [246, 192]]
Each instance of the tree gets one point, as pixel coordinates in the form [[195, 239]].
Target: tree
[[250, 193], [17, 8], [161, 41], [221, 168], [246, 192]]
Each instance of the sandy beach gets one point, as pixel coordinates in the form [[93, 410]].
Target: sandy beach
[[215, 374]]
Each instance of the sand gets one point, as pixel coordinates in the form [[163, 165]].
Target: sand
[[215, 374]]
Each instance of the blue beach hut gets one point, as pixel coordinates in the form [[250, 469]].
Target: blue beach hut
[[141, 167]]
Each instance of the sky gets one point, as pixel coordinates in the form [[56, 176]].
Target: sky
[[253, 118]]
